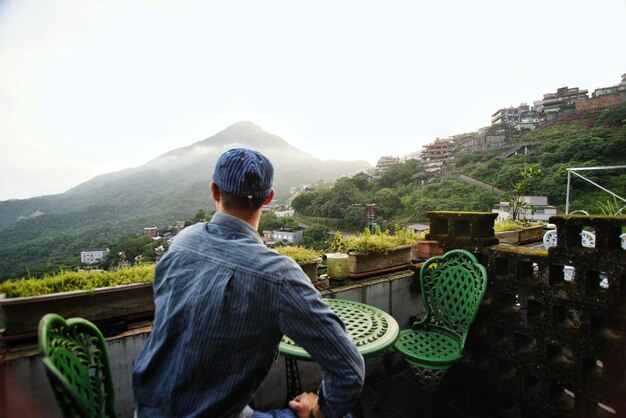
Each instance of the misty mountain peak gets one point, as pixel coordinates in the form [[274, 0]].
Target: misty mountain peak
[[244, 134]]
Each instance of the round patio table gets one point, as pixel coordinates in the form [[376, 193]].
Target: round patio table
[[371, 329]]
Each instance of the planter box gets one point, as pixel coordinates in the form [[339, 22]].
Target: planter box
[[521, 236], [362, 265], [21, 315], [310, 269]]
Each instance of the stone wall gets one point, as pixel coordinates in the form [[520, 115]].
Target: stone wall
[[545, 346], [26, 392], [599, 103]]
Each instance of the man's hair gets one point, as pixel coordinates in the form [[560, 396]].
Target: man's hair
[[230, 201]]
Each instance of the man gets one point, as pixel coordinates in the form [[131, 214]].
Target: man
[[223, 300]]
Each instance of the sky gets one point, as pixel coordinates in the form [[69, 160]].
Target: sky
[[91, 87]]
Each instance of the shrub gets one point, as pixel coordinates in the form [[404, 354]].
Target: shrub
[[376, 242], [299, 254], [81, 280]]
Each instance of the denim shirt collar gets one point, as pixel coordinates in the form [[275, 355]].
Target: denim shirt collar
[[235, 223]]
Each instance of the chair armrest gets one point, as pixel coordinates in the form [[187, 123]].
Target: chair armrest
[[418, 322]]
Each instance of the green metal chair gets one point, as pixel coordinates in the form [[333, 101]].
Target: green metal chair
[[77, 364], [453, 286]]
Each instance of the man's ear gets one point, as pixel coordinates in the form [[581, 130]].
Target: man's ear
[[215, 192], [269, 198]]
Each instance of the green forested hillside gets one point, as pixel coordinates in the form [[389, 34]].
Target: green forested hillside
[[592, 140], [405, 193], [99, 212]]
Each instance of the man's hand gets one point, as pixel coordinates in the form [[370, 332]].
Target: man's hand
[[305, 406]]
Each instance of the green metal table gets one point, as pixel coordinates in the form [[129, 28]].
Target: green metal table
[[372, 330]]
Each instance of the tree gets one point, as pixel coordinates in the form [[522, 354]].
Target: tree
[[200, 216], [388, 198], [354, 218], [523, 188], [268, 222], [302, 203], [315, 236]]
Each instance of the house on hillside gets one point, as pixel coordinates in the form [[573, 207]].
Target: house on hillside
[[151, 231], [604, 98], [284, 213], [363, 176], [542, 210], [509, 116], [565, 98], [418, 228], [93, 256], [288, 236], [385, 162], [437, 155]]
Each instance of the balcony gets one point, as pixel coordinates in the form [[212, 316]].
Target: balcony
[[540, 345]]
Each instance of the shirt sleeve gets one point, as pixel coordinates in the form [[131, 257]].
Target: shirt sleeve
[[309, 321]]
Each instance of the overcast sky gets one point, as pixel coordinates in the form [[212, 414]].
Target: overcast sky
[[89, 87]]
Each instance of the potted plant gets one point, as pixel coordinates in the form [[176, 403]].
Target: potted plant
[[99, 296], [370, 253], [307, 259], [518, 232]]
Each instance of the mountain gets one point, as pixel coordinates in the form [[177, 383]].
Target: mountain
[[171, 187]]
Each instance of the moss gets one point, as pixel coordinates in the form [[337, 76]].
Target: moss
[[298, 254], [513, 225]]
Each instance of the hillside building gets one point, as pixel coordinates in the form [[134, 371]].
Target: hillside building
[[93, 256], [385, 162], [542, 210], [553, 103], [288, 236], [604, 98], [509, 116], [437, 155], [363, 176], [151, 231], [608, 91], [284, 213]]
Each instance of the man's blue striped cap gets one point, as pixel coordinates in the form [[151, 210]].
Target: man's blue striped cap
[[244, 172]]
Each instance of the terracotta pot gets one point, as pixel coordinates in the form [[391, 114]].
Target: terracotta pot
[[310, 268], [428, 248]]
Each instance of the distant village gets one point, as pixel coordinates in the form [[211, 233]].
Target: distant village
[[564, 104]]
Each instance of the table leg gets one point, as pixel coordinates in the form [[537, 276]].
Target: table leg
[[357, 412], [294, 387], [388, 373]]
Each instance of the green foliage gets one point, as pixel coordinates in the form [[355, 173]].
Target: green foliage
[[81, 280], [354, 218], [316, 237], [595, 140], [411, 172], [298, 253], [269, 221], [523, 187], [448, 194], [611, 207], [130, 248], [376, 242], [200, 216]]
